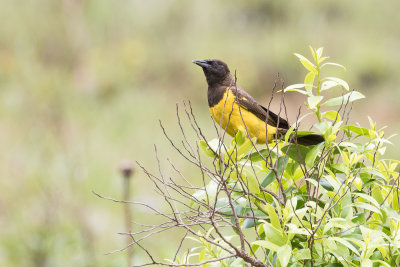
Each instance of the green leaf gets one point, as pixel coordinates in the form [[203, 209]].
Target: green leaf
[[395, 200], [382, 263], [239, 139], [297, 87], [312, 154], [268, 179], [245, 148], [339, 167], [335, 264], [339, 81], [338, 223], [366, 263], [266, 153], [302, 254], [280, 165], [359, 218], [304, 133], [309, 79], [211, 192], [328, 85], [333, 181], [274, 235], [325, 184], [284, 254], [202, 255], [324, 126], [373, 172], [297, 153], [306, 63], [294, 229], [333, 64], [332, 115], [368, 198], [206, 149], [346, 243], [357, 130], [252, 182], [216, 145], [313, 53], [322, 59], [248, 223], [266, 244], [289, 133], [273, 216], [366, 206], [319, 52], [313, 101], [342, 100]]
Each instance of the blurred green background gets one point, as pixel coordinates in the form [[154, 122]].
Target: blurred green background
[[83, 84]]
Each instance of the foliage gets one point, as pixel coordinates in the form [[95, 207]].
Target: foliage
[[76, 78], [334, 203]]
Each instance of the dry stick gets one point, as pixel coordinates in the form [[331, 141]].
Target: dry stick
[[331, 206], [185, 140], [133, 202], [187, 264], [391, 256], [239, 252], [126, 171], [275, 170], [391, 188], [163, 225], [180, 245], [177, 149], [187, 227], [202, 170]]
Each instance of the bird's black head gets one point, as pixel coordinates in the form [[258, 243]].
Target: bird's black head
[[215, 70]]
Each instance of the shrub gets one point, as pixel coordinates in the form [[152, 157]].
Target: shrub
[[332, 204]]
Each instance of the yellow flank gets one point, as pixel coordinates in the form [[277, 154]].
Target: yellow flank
[[227, 110]]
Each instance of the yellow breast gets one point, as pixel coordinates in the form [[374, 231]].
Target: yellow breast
[[231, 118]]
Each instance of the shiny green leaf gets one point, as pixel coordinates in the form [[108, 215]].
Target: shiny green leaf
[[312, 154], [357, 130], [343, 100], [296, 152], [333, 64], [266, 244], [273, 216], [313, 101], [339, 81], [206, 149], [309, 79], [284, 254], [332, 115], [306, 63]]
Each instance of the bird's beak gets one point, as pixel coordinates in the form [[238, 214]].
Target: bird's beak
[[201, 62]]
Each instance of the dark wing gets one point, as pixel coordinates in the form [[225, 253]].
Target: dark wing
[[248, 102], [274, 119]]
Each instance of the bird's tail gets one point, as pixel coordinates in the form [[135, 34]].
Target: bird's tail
[[307, 140]]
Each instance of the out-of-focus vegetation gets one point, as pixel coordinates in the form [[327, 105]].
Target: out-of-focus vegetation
[[83, 84]]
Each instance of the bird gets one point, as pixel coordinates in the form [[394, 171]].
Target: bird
[[233, 109]]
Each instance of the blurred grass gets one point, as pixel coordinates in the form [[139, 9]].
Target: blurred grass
[[84, 83]]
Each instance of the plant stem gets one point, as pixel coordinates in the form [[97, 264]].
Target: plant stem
[[317, 112]]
